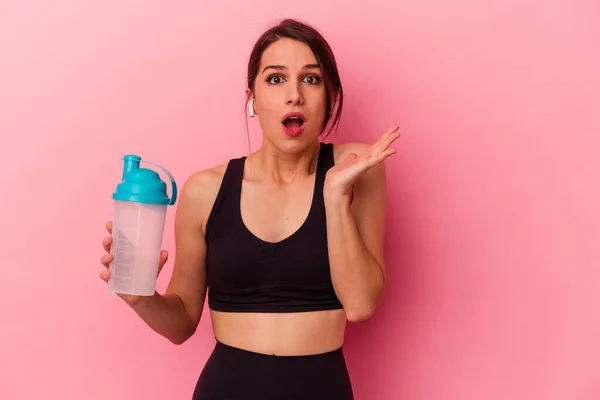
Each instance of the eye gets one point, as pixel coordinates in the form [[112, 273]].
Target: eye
[[312, 79], [274, 79]]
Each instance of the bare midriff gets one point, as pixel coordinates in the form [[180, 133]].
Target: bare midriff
[[281, 334]]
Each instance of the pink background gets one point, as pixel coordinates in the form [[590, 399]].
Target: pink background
[[493, 232]]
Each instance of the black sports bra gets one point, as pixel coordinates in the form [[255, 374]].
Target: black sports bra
[[247, 274]]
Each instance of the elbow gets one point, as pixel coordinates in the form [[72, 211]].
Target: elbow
[[361, 311], [178, 340], [183, 336], [359, 314]]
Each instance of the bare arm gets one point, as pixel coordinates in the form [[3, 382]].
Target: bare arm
[[355, 203], [176, 314], [355, 236]]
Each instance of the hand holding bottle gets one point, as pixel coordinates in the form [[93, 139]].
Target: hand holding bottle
[[107, 258]]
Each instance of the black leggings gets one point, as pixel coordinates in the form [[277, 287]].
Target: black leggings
[[232, 373]]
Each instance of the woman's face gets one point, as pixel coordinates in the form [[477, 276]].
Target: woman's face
[[289, 95]]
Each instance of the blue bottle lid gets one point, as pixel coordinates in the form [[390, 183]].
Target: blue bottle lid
[[144, 185]]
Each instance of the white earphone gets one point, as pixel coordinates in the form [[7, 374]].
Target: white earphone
[[251, 107]]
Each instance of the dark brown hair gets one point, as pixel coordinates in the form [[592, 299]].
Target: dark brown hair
[[296, 30]]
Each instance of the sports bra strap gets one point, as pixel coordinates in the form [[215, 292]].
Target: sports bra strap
[[324, 162], [226, 194]]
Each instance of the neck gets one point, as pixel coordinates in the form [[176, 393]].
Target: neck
[[268, 162]]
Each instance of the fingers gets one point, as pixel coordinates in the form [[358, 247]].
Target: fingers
[[386, 153], [388, 133], [385, 136], [379, 155], [105, 275], [386, 140], [106, 260], [164, 256], [106, 243], [390, 137]]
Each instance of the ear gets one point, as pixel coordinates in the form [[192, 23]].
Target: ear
[[249, 94]]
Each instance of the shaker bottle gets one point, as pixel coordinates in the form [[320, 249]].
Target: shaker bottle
[[140, 206]]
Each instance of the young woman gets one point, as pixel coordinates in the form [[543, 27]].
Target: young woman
[[288, 241]]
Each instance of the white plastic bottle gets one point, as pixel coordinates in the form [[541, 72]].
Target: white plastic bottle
[[140, 207]]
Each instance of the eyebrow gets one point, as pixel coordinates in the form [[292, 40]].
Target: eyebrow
[[282, 67]]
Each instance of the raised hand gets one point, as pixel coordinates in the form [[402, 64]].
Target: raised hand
[[107, 258], [341, 177]]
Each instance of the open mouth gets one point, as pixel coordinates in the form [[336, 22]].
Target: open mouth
[[293, 123]]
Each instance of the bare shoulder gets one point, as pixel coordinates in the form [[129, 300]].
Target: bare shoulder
[[341, 150], [200, 184], [200, 190]]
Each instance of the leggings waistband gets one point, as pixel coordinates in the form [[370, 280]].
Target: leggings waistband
[[232, 349]]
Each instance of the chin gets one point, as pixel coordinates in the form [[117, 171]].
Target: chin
[[295, 144]]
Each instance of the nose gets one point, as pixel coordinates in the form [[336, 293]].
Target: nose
[[294, 95]]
